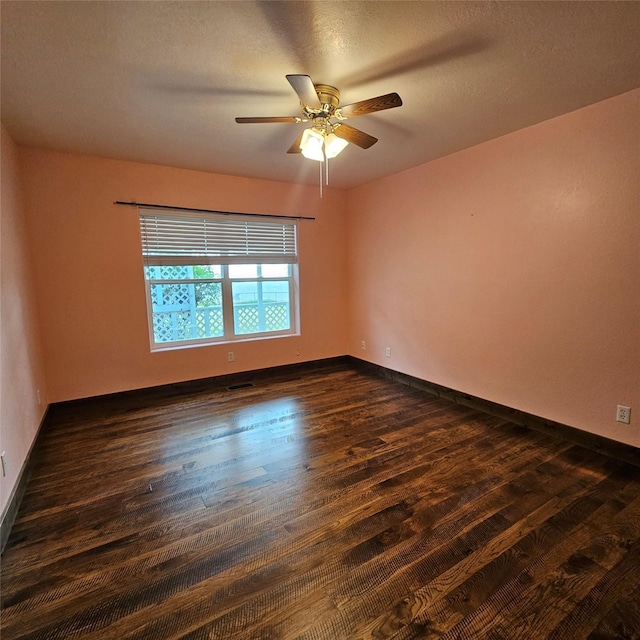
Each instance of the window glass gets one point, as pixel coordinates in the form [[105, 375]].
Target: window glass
[[261, 306], [243, 270], [275, 291], [170, 272], [207, 271], [275, 270], [187, 302], [186, 311]]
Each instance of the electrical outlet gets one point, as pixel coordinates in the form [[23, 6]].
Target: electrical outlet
[[623, 414], [387, 352], [230, 356], [4, 463], [363, 345]]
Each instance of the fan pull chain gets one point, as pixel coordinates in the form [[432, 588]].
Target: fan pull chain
[[320, 163]]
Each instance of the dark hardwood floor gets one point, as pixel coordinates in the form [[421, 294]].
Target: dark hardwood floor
[[328, 505]]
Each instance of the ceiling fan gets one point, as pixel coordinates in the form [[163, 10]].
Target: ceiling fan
[[328, 135]]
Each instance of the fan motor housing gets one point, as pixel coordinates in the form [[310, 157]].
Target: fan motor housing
[[320, 104], [329, 99]]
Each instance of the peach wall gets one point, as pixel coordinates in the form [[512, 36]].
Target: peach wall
[[511, 270], [90, 288], [21, 371]]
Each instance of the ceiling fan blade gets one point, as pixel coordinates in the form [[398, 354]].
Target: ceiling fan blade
[[303, 86], [387, 101], [268, 119], [295, 147], [351, 134]]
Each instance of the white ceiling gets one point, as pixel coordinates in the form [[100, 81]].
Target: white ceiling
[[162, 82]]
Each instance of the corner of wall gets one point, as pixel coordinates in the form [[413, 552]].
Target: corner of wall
[[22, 377]]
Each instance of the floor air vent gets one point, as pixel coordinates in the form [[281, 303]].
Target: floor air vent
[[242, 385]]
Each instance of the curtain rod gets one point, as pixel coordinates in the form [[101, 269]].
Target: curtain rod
[[222, 213]]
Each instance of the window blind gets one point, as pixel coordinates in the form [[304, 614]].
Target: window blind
[[177, 238]]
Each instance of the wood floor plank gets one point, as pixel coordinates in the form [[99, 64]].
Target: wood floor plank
[[329, 504], [615, 584], [532, 582], [436, 559], [426, 606], [598, 506], [622, 622]]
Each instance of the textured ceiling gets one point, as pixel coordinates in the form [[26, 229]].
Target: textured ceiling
[[161, 82]]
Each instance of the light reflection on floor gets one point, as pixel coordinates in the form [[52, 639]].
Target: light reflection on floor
[[252, 440]]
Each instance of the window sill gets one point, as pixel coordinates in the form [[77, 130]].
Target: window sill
[[217, 343]]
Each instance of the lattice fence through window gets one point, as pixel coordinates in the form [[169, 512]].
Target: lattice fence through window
[[276, 317], [209, 323], [247, 319]]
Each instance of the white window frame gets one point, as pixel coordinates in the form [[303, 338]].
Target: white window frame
[[210, 239]]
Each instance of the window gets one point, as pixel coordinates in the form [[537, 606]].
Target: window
[[216, 278]]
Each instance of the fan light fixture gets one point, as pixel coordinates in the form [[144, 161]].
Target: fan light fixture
[[320, 103], [318, 145], [313, 141], [334, 145], [311, 145]]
